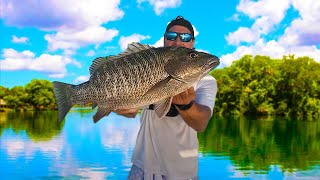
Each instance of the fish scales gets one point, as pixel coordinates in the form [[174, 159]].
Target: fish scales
[[140, 76], [124, 80]]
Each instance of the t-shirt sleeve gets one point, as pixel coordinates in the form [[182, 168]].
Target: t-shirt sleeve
[[206, 91]]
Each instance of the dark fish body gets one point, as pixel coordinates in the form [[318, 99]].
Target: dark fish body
[[140, 76]]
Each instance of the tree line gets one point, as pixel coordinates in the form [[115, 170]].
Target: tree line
[[37, 95], [252, 85], [263, 86]]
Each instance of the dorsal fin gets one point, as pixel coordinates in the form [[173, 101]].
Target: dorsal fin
[[132, 48], [136, 47], [96, 64]]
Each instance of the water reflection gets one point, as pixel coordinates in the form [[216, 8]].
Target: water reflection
[[35, 145], [257, 145], [39, 126]]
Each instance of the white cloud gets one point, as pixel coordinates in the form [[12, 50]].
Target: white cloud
[[267, 13], [307, 9], [300, 38], [92, 173], [17, 148], [16, 39], [160, 5], [196, 33], [235, 17], [11, 53], [243, 34], [59, 14], [71, 40], [236, 173], [272, 49], [91, 53], [53, 65], [81, 79], [304, 30], [74, 23], [117, 131], [125, 40], [203, 50], [77, 21], [159, 43]]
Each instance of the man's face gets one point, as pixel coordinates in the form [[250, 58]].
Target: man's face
[[177, 42]]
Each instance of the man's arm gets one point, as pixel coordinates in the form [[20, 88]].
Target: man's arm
[[197, 116]]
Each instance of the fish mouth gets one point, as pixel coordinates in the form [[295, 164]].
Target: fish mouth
[[211, 64]]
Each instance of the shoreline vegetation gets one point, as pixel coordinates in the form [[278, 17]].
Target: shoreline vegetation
[[262, 86], [258, 85]]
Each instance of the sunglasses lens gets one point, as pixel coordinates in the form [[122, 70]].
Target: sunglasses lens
[[185, 37], [171, 36]]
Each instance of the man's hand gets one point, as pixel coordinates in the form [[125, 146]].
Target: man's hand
[[185, 97], [197, 117], [130, 113]]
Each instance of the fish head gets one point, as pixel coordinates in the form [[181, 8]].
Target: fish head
[[189, 65]]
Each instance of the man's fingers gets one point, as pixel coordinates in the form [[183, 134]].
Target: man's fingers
[[184, 95], [191, 91]]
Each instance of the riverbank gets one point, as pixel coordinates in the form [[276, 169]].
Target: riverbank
[[5, 110], [23, 109]]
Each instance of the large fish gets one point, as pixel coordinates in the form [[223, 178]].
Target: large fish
[[136, 78]]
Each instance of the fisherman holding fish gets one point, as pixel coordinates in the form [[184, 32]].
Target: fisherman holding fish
[[167, 148], [172, 86]]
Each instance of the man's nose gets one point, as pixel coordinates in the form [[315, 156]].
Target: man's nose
[[177, 42]]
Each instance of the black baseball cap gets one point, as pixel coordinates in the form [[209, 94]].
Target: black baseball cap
[[179, 20]]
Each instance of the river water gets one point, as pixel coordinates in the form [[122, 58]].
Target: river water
[[33, 145]]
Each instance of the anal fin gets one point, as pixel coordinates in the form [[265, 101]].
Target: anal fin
[[100, 114], [163, 107], [94, 105]]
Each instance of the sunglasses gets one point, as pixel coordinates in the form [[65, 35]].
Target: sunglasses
[[184, 37]]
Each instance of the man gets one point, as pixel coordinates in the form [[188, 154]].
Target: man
[[167, 148]]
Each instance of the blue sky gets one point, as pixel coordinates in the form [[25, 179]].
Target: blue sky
[[57, 39]]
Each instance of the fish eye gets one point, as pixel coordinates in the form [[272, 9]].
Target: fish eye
[[193, 55]]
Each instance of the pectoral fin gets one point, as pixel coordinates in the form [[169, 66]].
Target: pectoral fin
[[158, 86], [100, 114], [164, 88], [163, 107], [94, 105]]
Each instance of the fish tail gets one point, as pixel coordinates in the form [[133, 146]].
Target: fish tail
[[63, 99]]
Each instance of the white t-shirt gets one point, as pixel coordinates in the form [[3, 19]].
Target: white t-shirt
[[168, 146]]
